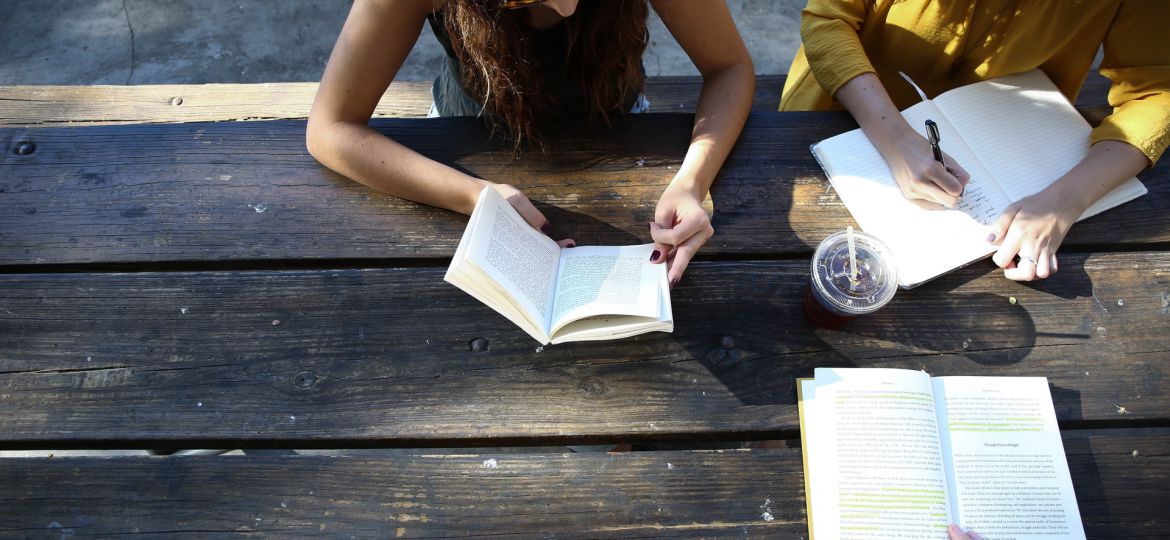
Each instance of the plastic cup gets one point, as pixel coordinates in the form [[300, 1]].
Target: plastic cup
[[833, 296]]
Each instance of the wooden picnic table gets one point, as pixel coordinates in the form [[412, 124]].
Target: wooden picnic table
[[207, 284]]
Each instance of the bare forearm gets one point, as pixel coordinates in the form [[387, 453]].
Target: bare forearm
[[723, 108], [867, 100], [364, 155], [1106, 166]]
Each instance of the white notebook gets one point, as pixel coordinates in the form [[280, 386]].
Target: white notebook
[[1015, 135]]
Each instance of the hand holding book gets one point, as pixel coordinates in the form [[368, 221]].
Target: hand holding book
[[553, 292], [681, 226], [528, 211]]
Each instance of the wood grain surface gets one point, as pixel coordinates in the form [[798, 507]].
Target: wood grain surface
[[249, 191], [167, 103], [102, 105], [382, 357], [735, 493]]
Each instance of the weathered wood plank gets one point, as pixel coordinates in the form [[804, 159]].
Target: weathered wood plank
[[111, 105], [673, 494], [382, 356], [103, 105], [195, 192]]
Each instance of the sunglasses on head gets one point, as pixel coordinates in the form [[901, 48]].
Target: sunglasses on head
[[517, 4]]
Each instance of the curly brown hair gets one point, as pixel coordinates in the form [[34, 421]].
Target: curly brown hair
[[605, 39]]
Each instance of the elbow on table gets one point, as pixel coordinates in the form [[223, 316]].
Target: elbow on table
[[316, 138]]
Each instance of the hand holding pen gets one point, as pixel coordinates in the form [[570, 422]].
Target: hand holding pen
[[932, 136], [937, 182]]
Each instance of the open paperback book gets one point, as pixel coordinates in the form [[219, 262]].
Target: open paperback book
[[1015, 135], [891, 453], [558, 294]]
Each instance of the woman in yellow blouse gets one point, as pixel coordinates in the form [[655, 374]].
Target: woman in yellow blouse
[[854, 49]]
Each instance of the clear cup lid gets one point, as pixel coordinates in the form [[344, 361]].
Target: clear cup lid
[[870, 288]]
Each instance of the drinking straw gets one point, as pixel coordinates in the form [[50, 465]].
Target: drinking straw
[[852, 253]]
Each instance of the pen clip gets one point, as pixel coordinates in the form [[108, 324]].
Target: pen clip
[[932, 132]]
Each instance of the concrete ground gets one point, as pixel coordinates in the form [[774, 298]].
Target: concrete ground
[[82, 42]]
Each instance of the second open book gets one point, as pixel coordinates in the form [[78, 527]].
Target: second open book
[[558, 294], [893, 453], [1015, 135]]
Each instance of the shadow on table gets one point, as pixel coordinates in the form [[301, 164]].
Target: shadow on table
[[767, 343]]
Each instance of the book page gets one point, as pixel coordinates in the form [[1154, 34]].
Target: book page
[[1025, 131], [519, 258], [1009, 477], [874, 461], [606, 280], [926, 243], [621, 326]]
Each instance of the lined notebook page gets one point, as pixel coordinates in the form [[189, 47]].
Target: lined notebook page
[[1026, 133], [926, 243]]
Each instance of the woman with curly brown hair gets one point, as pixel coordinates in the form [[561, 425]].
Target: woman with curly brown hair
[[520, 64]]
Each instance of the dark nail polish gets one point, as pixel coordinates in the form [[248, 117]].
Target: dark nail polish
[[546, 228], [571, 244], [673, 282], [991, 237], [654, 256]]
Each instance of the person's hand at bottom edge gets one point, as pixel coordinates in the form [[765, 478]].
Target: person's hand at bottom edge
[[955, 533]]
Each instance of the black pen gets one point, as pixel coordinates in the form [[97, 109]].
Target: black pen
[[932, 135]]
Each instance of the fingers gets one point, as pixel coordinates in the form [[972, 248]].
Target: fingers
[[682, 258], [926, 204], [1033, 264], [686, 227], [527, 211], [661, 249], [934, 188], [684, 252], [1022, 270], [1009, 243], [1019, 236], [686, 237], [938, 184], [1043, 264], [567, 243], [1008, 248], [955, 533], [945, 180], [960, 174], [1000, 227]]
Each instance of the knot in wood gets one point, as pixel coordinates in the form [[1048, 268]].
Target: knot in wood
[[478, 345], [24, 148], [305, 379], [727, 342], [176, 101], [592, 386]]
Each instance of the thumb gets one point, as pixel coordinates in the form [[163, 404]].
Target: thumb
[[661, 249], [999, 228], [529, 212]]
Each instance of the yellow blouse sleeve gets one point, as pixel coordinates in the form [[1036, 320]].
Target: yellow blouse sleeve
[[1137, 61], [831, 43]]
